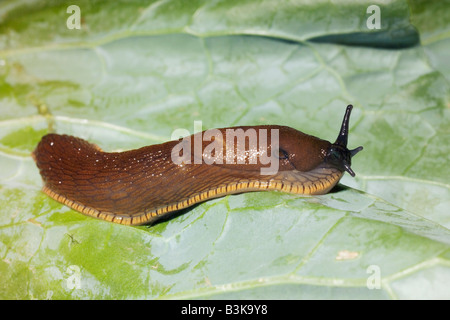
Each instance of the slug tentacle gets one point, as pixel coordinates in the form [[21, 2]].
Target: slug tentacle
[[138, 186], [338, 154]]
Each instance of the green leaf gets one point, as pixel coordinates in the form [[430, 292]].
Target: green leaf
[[137, 71]]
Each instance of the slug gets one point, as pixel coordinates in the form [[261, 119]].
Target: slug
[[138, 186]]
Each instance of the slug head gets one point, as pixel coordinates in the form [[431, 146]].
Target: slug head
[[337, 154]]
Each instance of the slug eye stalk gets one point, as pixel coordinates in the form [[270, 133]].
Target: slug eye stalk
[[338, 154]]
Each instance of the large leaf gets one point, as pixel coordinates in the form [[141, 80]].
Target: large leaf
[[136, 71]]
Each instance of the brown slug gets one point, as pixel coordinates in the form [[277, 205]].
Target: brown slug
[[138, 186]]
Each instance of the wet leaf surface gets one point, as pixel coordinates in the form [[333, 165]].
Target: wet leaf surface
[[135, 72]]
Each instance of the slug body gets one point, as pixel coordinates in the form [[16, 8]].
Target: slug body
[[138, 186]]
